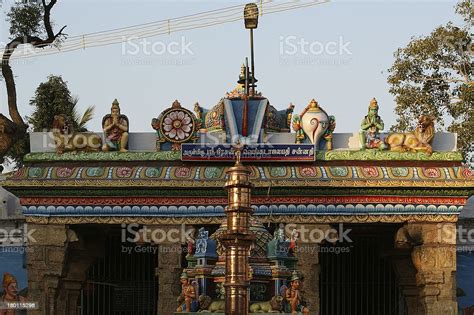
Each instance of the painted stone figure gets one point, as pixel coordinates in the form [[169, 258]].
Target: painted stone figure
[[314, 121], [371, 126], [174, 126], [419, 140], [10, 294], [188, 300], [313, 124], [292, 297], [115, 126], [298, 128], [67, 140]]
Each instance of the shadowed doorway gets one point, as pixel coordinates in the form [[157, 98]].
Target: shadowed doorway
[[122, 282]]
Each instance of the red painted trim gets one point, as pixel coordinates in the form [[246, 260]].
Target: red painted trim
[[258, 200]]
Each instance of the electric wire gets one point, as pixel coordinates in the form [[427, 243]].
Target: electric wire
[[162, 27]]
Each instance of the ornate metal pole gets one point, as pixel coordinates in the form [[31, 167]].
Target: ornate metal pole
[[238, 239], [245, 111]]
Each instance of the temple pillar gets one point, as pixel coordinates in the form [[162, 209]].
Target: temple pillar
[[308, 264], [88, 246], [45, 262], [406, 274], [168, 272], [434, 258], [68, 297]]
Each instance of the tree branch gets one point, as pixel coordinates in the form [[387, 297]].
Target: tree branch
[[466, 80], [46, 19], [35, 41]]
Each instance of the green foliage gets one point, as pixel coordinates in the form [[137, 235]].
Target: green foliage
[[26, 19], [81, 122], [17, 152], [434, 75], [54, 98], [51, 98], [465, 8]]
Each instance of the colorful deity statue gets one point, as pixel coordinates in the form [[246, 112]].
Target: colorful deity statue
[[292, 296], [10, 293], [371, 126], [298, 128], [115, 126], [189, 298], [313, 124]]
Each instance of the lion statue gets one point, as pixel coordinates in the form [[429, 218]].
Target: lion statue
[[207, 305], [68, 140], [275, 305], [417, 141]]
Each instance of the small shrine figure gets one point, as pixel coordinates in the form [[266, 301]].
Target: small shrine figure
[[328, 135], [279, 234], [115, 126], [292, 296], [201, 243], [371, 126], [298, 128], [190, 244], [293, 239], [188, 299], [10, 294]]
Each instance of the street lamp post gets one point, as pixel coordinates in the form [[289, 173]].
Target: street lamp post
[[251, 23]]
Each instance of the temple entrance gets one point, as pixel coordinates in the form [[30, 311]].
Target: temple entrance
[[359, 279], [122, 282]]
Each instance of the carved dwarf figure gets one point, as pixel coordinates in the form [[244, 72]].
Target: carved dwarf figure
[[371, 126], [10, 293], [188, 300], [293, 296], [115, 126]]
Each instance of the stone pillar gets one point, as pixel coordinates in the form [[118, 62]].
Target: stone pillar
[[45, 264], [434, 257], [68, 297], [436, 278], [406, 273], [84, 249], [308, 263], [168, 272]]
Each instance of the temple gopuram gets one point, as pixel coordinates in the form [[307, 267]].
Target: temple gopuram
[[334, 223]]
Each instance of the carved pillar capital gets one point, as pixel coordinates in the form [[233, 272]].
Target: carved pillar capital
[[412, 234]]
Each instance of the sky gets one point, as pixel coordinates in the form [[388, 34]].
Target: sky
[[358, 40]]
